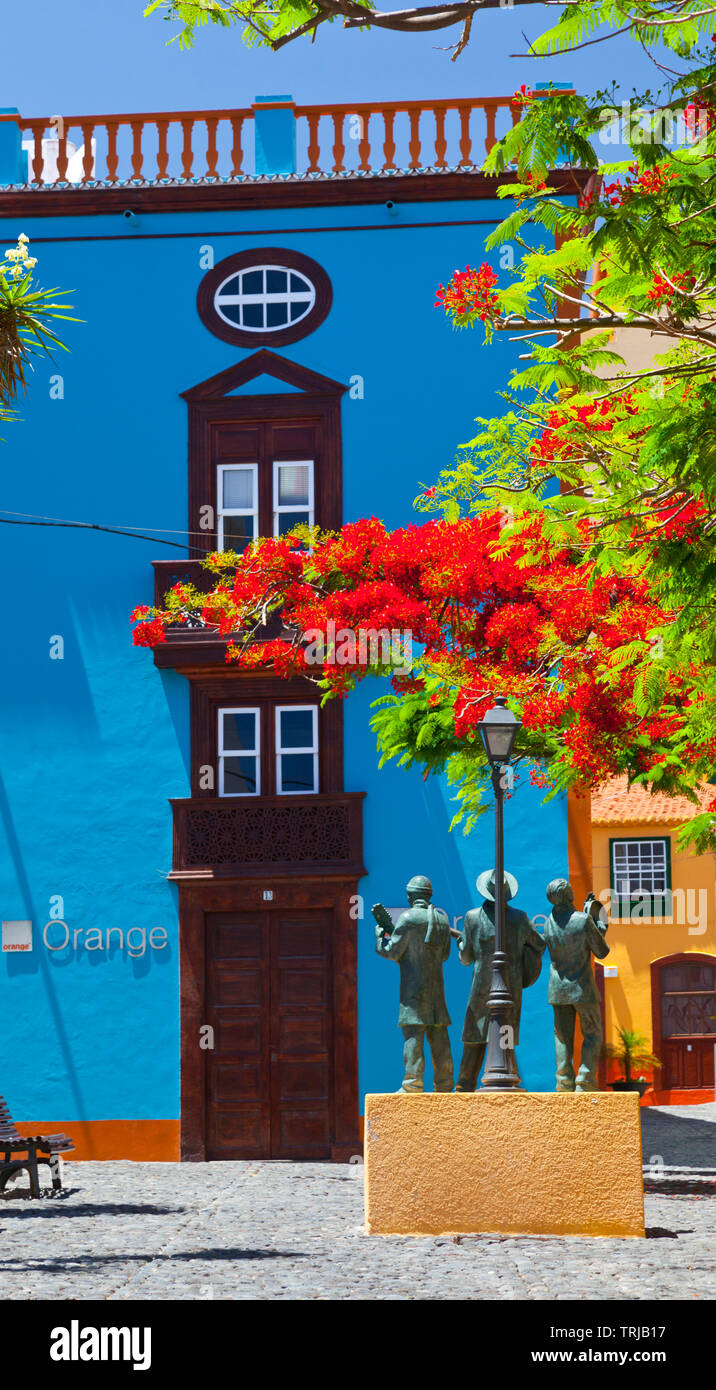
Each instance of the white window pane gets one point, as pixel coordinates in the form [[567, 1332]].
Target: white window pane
[[240, 775], [276, 314], [298, 772], [276, 280], [285, 521], [238, 488], [252, 282], [293, 485], [237, 532], [296, 728], [239, 730]]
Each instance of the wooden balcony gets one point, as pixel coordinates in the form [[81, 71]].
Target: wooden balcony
[[192, 647], [185, 148], [170, 572], [224, 837]]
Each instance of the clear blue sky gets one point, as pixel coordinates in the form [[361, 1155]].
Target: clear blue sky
[[89, 57]]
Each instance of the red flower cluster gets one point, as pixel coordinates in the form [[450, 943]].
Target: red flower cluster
[[699, 120], [149, 634], [470, 291], [407, 685], [681, 520], [544, 711], [649, 182], [538, 777], [561, 438], [533, 622], [663, 291], [535, 183]]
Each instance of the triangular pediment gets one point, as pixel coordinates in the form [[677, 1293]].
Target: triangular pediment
[[264, 364]]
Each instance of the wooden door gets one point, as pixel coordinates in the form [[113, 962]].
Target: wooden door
[[687, 1004], [238, 998], [269, 995]]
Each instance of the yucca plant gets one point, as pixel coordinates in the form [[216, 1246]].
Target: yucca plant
[[25, 315], [631, 1051]]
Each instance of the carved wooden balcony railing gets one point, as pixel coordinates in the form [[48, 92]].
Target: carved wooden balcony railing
[[225, 836], [197, 147], [170, 572]]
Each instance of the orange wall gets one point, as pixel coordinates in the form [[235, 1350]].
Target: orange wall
[[144, 1141], [634, 945]]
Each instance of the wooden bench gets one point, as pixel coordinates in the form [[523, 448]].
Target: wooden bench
[[38, 1148]]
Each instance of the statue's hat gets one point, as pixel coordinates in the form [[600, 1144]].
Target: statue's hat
[[419, 884], [486, 885]]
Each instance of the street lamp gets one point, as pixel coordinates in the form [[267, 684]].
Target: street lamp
[[499, 730]]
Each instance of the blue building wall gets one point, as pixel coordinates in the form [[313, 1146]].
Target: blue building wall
[[93, 745]]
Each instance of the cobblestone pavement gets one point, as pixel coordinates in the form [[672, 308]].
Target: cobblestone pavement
[[294, 1231]]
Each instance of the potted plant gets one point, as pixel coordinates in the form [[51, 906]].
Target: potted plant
[[631, 1051]]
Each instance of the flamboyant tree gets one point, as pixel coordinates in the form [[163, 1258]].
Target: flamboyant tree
[[614, 450], [478, 617], [275, 23]]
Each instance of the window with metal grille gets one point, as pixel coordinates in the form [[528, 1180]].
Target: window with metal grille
[[641, 877]]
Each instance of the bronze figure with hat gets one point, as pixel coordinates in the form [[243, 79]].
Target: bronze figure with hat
[[476, 944]]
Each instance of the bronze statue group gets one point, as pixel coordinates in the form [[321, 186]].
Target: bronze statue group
[[420, 942]]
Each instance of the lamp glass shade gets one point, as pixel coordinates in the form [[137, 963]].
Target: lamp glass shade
[[499, 730]]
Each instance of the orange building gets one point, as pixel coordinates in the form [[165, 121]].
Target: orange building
[[659, 979]]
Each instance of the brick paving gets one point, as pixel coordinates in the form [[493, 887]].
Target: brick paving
[[294, 1231]]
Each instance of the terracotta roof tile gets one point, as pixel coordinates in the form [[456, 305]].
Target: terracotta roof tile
[[616, 803]]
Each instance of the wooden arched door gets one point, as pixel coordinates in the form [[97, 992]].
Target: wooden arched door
[[684, 1011]]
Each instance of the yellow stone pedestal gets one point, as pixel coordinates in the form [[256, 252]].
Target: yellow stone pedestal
[[521, 1163]]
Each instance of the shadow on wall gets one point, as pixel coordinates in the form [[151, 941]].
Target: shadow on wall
[[50, 663], [176, 694], [21, 964]]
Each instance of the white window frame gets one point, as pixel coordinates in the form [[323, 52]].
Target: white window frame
[[239, 752], [640, 891], [281, 751], [222, 511], [264, 298], [280, 508]]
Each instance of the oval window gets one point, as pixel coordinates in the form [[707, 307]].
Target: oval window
[[267, 296]]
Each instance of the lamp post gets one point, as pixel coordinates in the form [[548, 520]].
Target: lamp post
[[498, 730]]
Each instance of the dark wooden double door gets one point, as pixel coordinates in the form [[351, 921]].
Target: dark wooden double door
[[269, 996]]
